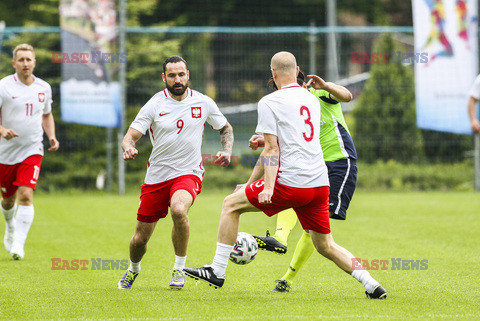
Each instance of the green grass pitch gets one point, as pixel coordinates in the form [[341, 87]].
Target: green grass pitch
[[440, 227]]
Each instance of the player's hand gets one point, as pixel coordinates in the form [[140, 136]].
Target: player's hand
[[316, 82], [222, 158], [476, 126], [8, 133], [130, 153], [256, 141], [265, 196], [54, 145], [239, 186]]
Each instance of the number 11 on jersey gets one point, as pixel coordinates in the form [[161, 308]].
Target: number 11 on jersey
[[29, 109]]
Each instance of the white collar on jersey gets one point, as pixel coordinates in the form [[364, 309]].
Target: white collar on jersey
[[292, 85], [168, 95], [17, 80]]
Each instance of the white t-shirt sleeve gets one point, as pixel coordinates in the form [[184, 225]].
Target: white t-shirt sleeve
[[215, 117], [1, 95], [48, 101], [145, 117], [267, 123], [1, 99], [475, 90]]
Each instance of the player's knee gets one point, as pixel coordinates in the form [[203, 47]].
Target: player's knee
[[139, 240], [8, 203], [230, 205], [25, 196], [178, 211]]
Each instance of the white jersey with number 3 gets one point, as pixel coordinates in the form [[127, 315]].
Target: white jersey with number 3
[[22, 108], [176, 133], [293, 115]]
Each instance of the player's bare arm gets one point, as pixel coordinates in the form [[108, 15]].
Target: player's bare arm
[[258, 170], [49, 128], [271, 155], [256, 141], [337, 92], [475, 123], [226, 135], [128, 144], [7, 133]]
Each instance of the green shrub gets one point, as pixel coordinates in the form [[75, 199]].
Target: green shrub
[[392, 175], [384, 115]]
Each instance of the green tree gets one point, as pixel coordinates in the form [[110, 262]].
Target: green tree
[[385, 125]]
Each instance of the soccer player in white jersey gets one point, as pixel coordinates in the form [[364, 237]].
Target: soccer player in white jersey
[[472, 102], [295, 177], [175, 119], [25, 107]]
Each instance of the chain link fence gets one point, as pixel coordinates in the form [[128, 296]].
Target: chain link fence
[[231, 65]]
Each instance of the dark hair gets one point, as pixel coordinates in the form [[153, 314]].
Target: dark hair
[[174, 59], [300, 80]]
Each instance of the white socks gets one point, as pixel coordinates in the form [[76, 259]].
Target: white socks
[[179, 263], [220, 260], [135, 267], [366, 279], [9, 215], [24, 220]]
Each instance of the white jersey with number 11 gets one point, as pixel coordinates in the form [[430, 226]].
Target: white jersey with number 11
[[22, 108]]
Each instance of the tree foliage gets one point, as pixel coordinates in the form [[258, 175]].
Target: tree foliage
[[219, 12], [385, 125]]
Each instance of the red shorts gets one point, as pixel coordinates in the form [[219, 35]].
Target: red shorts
[[155, 198], [310, 204], [22, 174]]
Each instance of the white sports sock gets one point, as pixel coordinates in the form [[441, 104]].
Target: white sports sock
[[135, 267], [9, 215], [220, 260], [179, 262], [24, 220], [366, 279]]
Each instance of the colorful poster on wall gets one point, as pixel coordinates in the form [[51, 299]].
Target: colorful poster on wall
[[447, 31], [90, 91]]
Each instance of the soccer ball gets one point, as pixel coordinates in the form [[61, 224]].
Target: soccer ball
[[245, 249]]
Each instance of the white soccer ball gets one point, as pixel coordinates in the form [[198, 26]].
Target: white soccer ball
[[245, 249]]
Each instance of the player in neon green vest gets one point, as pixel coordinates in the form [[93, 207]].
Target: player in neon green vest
[[340, 156]]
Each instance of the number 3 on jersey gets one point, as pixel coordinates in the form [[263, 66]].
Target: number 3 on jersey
[[307, 122]]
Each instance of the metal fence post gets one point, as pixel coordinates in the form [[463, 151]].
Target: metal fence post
[[123, 84], [332, 62], [312, 43]]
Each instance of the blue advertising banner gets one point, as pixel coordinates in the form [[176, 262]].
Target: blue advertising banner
[[90, 91]]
